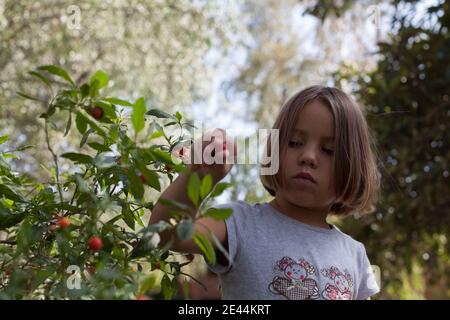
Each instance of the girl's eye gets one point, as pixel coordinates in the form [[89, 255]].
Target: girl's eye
[[294, 144], [328, 151]]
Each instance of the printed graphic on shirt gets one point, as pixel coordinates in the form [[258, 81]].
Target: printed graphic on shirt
[[339, 288], [296, 282]]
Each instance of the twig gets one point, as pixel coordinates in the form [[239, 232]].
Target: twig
[[55, 159]]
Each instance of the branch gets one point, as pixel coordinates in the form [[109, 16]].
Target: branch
[[55, 160]]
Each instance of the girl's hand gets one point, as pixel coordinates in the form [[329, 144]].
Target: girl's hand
[[208, 159]]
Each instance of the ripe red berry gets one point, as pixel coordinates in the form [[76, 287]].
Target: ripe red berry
[[95, 243], [158, 265], [143, 178], [63, 222], [97, 113], [91, 269]]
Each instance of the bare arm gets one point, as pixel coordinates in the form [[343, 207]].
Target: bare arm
[[177, 191]]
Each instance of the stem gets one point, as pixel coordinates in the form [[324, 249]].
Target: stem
[[76, 187], [55, 160]]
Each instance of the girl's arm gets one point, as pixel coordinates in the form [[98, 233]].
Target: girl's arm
[[177, 191]]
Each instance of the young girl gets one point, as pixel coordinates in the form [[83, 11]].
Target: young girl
[[285, 249]]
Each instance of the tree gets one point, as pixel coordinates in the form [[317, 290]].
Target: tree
[[408, 109], [151, 49]]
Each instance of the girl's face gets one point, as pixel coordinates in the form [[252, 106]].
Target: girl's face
[[310, 150]]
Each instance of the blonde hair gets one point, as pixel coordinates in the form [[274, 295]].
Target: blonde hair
[[357, 179]]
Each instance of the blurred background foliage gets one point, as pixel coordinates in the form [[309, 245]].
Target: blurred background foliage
[[233, 63]]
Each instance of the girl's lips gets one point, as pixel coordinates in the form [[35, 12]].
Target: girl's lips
[[303, 182], [306, 176]]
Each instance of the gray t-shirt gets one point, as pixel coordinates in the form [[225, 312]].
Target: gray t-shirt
[[274, 256]]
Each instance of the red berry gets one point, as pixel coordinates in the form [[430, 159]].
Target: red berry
[[91, 269], [95, 243], [158, 265], [143, 178], [97, 113], [143, 297], [63, 222], [168, 168]]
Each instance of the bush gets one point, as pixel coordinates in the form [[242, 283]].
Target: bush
[[81, 236]]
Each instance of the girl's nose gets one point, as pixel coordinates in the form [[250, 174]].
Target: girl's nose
[[308, 157]]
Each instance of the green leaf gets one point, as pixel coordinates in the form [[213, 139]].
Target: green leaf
[[85, 137], [172, 123], [148, 283], [178, 116], [138, 117], [81, 123], [8, 193], [152, 179], [8, 219], [185, 229], [206, 247], [9, 156], [219, 246], [220, 188], [156, 134], [169, 287], [194, 188], [219, 214], [118, 101], [137, 189], [23, 148], [206, 186], [77, 157], [41, 77], [128, 217], [99, 147], [85, 89], [159, 113], [101, 77], [57, 71], [4, 138], [160, 155], [26, 96], [69, 124]]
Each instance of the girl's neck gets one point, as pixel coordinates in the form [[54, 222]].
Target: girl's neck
[[313, 216]]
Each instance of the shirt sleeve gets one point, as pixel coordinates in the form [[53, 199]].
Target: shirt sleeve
[[233, 225], [367, 285]]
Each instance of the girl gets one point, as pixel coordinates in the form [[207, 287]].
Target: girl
[[285, 249]]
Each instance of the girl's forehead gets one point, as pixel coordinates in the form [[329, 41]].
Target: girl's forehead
[[314, 119]]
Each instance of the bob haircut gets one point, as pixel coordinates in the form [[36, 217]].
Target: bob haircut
[[357, 179]]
